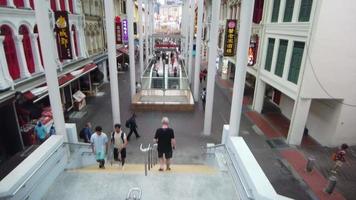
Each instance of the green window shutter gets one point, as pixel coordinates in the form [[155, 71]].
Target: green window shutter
[[296, 61], [275, 10], [281, 57], [288, 12], [305, 9], [269, 55]]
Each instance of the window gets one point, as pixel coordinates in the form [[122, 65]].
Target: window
[[71, 6], [257, 12], [32, 4], [63, 5], [53, 5], [19, 3], [296, 61], [288, 12], [3, 2], [26, 41], [124, 7], [269, 55], [10, 52], [305, 9], [275, 10], [281, 57]]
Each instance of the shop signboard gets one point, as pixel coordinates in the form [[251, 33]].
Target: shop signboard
[[125, 31], [63, 35], [230, 37], [118, 32]]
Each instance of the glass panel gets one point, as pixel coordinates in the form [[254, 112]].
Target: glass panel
[[275, 10], [281, 57], [305, 9], [297, 56], [269, 55], [288, 12]]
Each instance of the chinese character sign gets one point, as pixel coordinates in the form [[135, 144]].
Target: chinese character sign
[[63, 35], [118, 33], [125, 31], [230, 37]]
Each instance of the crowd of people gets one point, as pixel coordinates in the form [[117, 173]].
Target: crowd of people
[[103, 147]]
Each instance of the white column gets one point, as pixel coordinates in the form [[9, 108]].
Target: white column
[[79, 43], [58, 6], [191, 40], [282, 7], [5, 80], [105, 72], [10, 3], [296, 10], [36, 53], [75, 9], [198, 50], [129, 9], [213, 43], [72, 42], [55, 52], [259, 95], [27, 3], [146, 32], [21, 56], [241, 64], [111, 45], [139, 24], [152, 25], [298, 121], [66, 3], [45, 33]]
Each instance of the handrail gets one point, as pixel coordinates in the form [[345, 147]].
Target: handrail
[[235, 168], [150, 159], [77, 144]]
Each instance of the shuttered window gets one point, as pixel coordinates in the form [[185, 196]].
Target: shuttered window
[[282, 50], [305, 9], [275, 10], [269, 55], [288, 11], [296, 61]]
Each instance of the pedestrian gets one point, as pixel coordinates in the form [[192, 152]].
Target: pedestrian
[[164, 137], [41, 132], [131, 124], [339, 158], [119, 141], [99, 144], [203, 97], [86, 132]]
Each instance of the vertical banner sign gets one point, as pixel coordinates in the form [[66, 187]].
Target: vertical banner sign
[[230, 37], [118, 33], [125, 33], [63, 35]]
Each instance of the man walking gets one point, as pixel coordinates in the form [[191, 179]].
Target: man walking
[[164, 137], [86, 132], [119, 140], [99, 144], [131, 124]]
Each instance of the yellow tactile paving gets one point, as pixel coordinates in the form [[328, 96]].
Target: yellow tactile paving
[[139, 168]]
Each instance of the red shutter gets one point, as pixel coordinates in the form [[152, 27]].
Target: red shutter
[[3, 2], [28, 53], [71, 6], [257, 11], [53, 5], [75, 41], [35, 30], [32, 4], [10, 52], [19, 3], [63, 5]]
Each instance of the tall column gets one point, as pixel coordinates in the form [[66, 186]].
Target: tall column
[[75, 9], [21, 56], [298, 121], [213, 43], [58, 5], [45, 33], [259, 95], [191, 40], [36, 53], [129, 9], [27, 4], [140, 34], [55, 52], [72, 42], [5, 80], [105, 72], [241, 64], [79, 43], [111, 45], [146, 32], [198, 50], [10, 3], [66, 3]]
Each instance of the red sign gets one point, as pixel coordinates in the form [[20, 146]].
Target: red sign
[[63, 35], [118, 32], [230, 37]]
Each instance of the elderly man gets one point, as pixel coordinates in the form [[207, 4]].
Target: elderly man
[[164, 137]]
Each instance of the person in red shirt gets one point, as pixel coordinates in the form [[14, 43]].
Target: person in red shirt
[[339, 158]]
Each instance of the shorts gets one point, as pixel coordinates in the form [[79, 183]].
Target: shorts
[[122, 153], [167, 155], [100, 155]]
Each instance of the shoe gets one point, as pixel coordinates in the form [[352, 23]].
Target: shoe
[[160, 169], [138, 137], [168, 169], [122, 167]]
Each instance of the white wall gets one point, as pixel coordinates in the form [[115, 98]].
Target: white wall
[[322, 120], [345, 131], [286, 105]]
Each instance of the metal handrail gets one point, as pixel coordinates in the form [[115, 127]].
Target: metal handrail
[[235, 168], [77, 144], [150, 159]]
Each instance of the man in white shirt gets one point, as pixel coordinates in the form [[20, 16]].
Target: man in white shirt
[[99, 143], [119, 140]]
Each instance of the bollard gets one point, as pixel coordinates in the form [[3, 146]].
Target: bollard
[[331, 185], [310, 164], [149, 160]]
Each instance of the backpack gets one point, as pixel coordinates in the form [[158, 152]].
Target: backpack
[[122, 137], [82, 133], [127, 123]]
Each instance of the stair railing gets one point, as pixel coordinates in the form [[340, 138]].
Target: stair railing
[[150, 158]]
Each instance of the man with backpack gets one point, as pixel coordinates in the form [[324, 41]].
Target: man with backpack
[[86, 133], [131, 124], [119, 141]]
